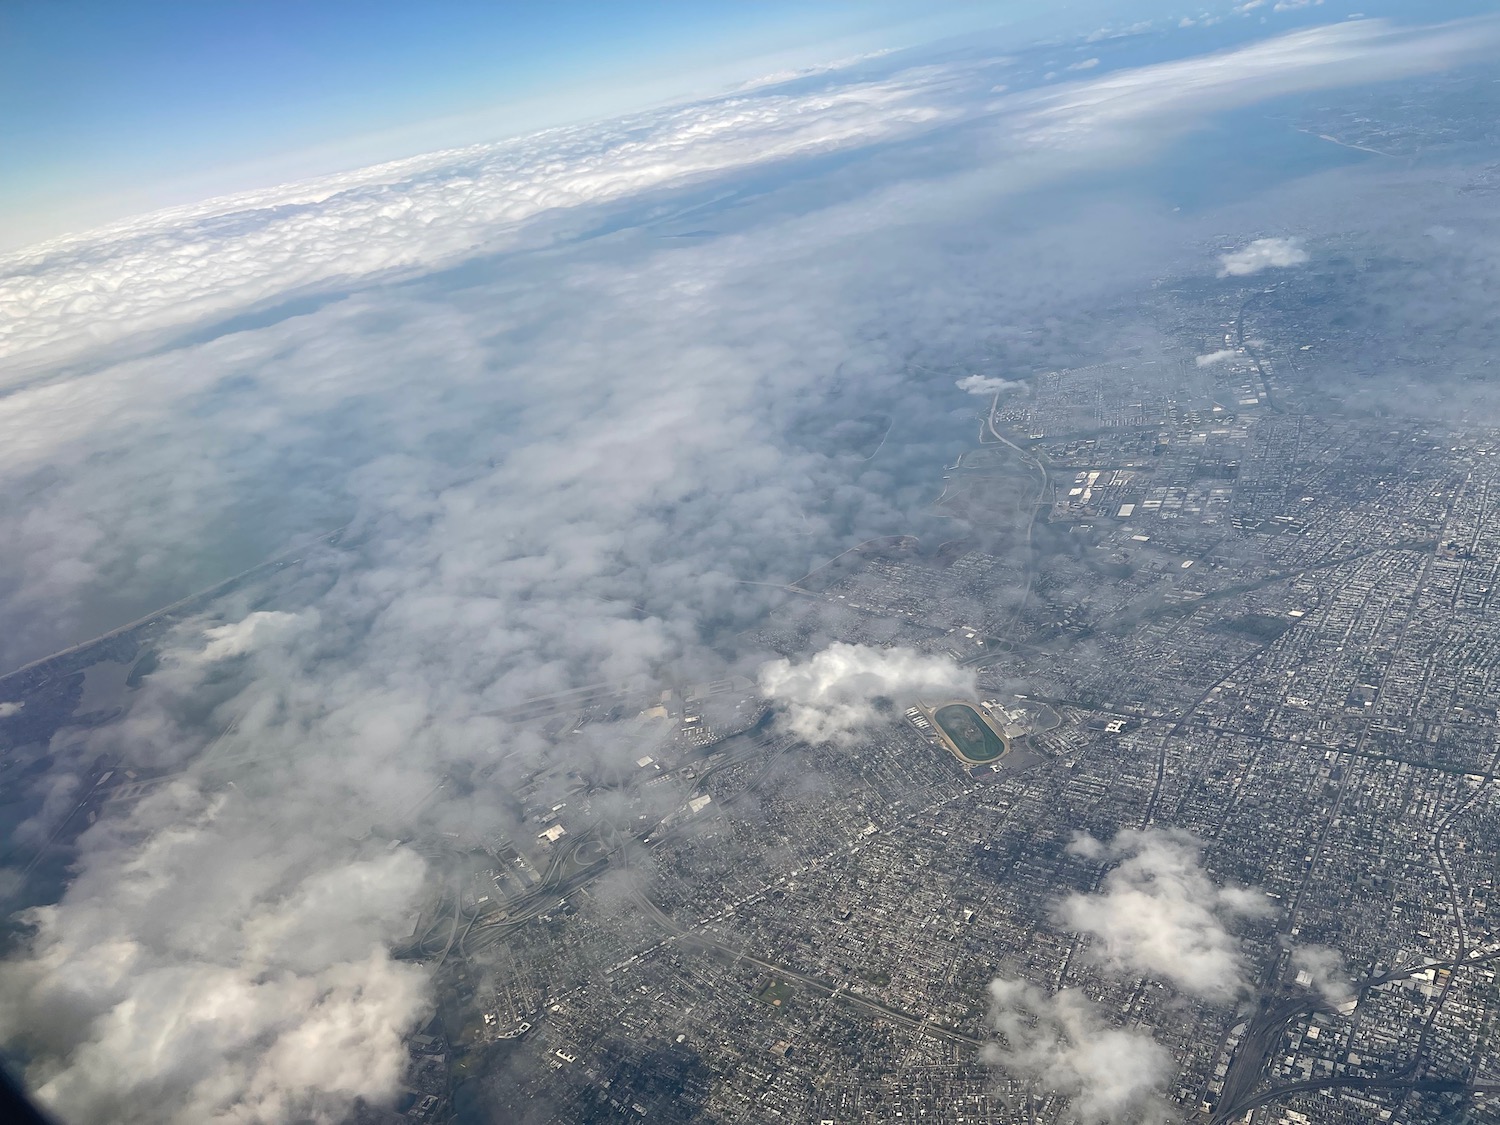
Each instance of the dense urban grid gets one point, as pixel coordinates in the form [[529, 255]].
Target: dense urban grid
[[1211, 595]]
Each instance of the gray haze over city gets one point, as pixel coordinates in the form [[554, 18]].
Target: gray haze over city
[[956, 585]]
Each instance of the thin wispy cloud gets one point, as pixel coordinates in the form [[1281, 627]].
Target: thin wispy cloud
[[1322, 970], [987, 384]]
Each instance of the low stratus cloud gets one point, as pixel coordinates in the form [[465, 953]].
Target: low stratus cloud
[[1262, 254], [544, 487], [838, 693], [987, 384], [1061, 1044], [1158, 913]]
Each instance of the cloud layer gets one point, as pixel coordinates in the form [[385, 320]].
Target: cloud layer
[[555, 468], [1116, 108], [1158, 914], [582, 516], [183, 265], [179, 267]]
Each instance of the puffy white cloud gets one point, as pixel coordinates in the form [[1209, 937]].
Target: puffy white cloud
[[1158, 913], [222, 953], [1061, 1044], [987, 384], [836, 694], [1211, 358], [200, 970], [239, 637], [1322, 970], [1262, 254], [11, 707]]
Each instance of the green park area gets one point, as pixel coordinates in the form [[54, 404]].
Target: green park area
[[775, 992]]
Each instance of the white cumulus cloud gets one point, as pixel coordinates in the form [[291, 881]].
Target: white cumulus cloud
[[200, 970], [1158, 913], [837, 693], [1061, 1044], [240, 637], [1262, 254], [987, 384]]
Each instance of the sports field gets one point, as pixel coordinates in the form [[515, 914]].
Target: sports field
[[968, 732]]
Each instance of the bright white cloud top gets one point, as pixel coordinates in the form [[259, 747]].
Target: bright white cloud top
[[180, 266], [836, 695], [1262, 254], [987, 384], [1061, 1044], [1159, 914]]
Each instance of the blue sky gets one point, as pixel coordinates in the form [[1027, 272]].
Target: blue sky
[[112, 107]]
